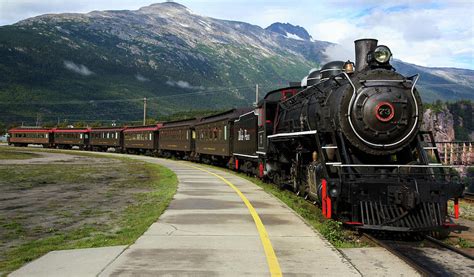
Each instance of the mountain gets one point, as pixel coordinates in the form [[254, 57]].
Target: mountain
[[73, 65], [289, 31], [101, 64], [435, 83]]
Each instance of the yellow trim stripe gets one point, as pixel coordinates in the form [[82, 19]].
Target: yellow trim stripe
[[272, 260]]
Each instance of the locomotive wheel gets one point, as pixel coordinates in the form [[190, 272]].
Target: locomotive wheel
[[277, 181]]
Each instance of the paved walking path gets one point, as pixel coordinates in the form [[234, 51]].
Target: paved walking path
[[209, 230], [219, 224]]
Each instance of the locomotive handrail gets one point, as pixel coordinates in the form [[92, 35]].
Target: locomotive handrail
[[392, 165], [386, 80]]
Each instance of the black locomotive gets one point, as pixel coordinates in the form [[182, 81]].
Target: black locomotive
[[350, 139], [347, 137]]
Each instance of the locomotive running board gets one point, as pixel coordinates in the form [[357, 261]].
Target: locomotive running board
[[295, 134], [393, 165]]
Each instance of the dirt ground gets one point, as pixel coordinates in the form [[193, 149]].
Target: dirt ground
[[53, 193]]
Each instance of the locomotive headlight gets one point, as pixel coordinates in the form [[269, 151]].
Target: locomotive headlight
[[382, 54]]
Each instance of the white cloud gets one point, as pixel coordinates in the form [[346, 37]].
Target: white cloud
[[183, 84], [141, 78], [78, 68], [12, 11], [424, 36], [432, 33]]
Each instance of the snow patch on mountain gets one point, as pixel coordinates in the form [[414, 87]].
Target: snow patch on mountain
[[293, 36]]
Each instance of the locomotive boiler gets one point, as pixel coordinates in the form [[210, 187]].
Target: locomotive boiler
[[349, 138]]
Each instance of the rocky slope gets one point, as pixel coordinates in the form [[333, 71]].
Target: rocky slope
[[101, 64], [440, 122], [289, 31], [450, 121]]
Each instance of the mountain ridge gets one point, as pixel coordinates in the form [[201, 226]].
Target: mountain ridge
[[290, 31], [109, 60]]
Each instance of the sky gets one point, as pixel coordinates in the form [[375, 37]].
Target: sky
[[427, 33]]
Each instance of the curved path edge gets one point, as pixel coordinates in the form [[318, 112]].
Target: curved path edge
[[208, 230]]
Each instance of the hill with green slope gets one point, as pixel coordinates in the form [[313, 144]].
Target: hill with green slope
[[101, 64]]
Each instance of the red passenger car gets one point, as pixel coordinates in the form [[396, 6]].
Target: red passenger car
[[141, 139], [103, 138], [22, 136], [66, 138]]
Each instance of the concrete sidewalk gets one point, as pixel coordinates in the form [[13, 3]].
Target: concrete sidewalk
[[207, 230]]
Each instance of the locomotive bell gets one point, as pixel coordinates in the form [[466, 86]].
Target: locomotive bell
[[349, 67]]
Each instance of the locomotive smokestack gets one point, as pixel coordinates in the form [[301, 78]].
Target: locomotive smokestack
[[362, 48]]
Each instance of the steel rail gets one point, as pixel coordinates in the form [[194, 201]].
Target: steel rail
[[423, 271], [447, 246]]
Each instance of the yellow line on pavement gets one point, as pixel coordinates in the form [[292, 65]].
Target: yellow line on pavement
[[272, 260]]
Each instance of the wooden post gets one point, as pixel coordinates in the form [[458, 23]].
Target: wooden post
[[470, 154], [451, 156], [463, 155], [446, 153], [144, 111]]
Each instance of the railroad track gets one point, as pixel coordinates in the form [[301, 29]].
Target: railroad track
[[429, 257]]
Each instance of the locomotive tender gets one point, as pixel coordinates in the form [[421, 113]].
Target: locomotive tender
[[347, 137]]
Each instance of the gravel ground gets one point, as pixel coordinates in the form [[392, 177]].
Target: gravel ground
[[56, 193]]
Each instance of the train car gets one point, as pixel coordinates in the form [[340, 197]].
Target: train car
[[177, 138], [245, 144], [141, 139], [214, 141], [104, 138], [23, 136], [67, 138], [250, 147]]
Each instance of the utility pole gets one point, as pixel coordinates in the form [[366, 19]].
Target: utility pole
[[144, 111], [256, 95], [39, 119]]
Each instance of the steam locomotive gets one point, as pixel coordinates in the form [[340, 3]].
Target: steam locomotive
[[347, 137]]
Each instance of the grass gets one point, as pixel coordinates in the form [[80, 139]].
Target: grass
[[466, 209], [332, 230], [146, 193], [6, 154]]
